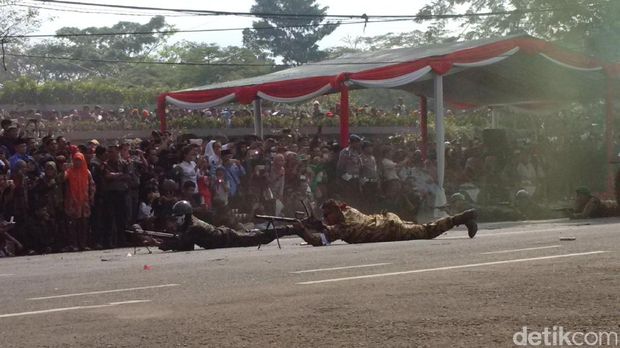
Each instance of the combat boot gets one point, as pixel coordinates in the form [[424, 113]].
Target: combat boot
[[467, 218]]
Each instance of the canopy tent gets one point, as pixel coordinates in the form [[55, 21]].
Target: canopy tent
[[517, 69]]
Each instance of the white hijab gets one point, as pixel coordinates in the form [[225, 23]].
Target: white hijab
[[209, 149], [212, 157]]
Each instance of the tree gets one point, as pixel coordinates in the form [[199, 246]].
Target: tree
[[14, 20], [86, 50], [242, 63], [592, 26], [292, 38]]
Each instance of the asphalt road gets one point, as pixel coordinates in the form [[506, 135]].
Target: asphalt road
[[447, 292]]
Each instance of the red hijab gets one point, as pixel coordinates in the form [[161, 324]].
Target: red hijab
[[78, 179]]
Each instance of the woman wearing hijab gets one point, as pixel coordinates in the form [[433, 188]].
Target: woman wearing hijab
[[213, 155], [79, 197]]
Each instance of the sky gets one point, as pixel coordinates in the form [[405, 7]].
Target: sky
[[54, 20]]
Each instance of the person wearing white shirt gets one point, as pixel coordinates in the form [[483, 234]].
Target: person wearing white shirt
[[188, 165]]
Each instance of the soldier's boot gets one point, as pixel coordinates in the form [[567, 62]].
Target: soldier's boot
[[467, 218]]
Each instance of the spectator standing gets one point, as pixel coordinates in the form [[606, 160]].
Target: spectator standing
[[79, 197], [21, 153], [227, 115], [369, 177], [276, 181], [48, 191], [97, 171], [389, 170], [9, 137], [116, 185], [134, 159], [7, 189], [213, 152], [188, 166], [234, 172], [21, 204], [4, 162], [349, 167], [204, 182]]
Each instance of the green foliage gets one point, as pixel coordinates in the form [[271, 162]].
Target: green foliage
[[244, 63], [407, 39], [88, 51], [84, 48], [97, 91], [592, 26], [279, 36], [275, 122], [17, 20]]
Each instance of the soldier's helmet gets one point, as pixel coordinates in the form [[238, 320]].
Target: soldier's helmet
[[522, 195], [457, 197], [182, 208]]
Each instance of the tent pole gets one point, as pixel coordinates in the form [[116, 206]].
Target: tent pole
[[344, 116], [440, 198], [424, 125], [609, 134], [258, 120]]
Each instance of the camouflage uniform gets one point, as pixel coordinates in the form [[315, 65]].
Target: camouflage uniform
[[388, 227], [210, 237], [596, 208]]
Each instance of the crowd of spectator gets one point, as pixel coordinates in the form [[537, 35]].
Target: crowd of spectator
[[63, 196], [39, 122]]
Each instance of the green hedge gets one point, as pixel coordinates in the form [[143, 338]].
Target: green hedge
[[26, 91], [193, 122], [188, 122]]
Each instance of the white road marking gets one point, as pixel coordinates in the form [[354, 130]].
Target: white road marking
[[103, 292], [66, 309], [471, 265], [339, 268], [511, 233], [516, 250], [6, 274]]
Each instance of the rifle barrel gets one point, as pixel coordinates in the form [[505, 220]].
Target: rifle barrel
[[152, 233], [275, 218]]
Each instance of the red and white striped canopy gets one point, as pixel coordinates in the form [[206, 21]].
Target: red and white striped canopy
[[516, 69]]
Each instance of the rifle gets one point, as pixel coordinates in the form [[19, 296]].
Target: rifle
[[137, 230], [310, 222], [308, 218], [275, 218]]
